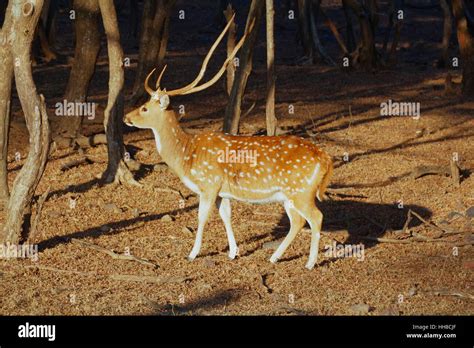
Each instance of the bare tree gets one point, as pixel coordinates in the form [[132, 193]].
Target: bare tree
[[366, 55], [447, 32], [270, 104], [465, 32], [117, 170], [6, 71], [395, 8], [233, 109], [153, 39], [24, 17], [83, 67], [229, 13], [308, 13]]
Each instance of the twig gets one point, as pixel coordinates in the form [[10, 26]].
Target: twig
[[456, 293], [455, 172], [113, 254], [53, 269], [407, 222], [432, 223], [387, 240], [147, 279], [94, 140], [76, 163], [375, 222], [420, 238], [335, 32], [161, 189], [249, 110], [118, 277]]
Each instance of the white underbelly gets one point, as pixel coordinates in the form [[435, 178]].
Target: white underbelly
[[271, 198]]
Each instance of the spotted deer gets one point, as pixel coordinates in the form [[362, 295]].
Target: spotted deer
[[220, 167]]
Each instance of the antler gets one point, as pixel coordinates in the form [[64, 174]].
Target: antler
[[191, 88]]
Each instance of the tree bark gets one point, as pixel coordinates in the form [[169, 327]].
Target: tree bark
[[152, 43], [447, 32], [228, 13], [313, 18], [350, 38], [25, 15], [304, 15], [6, 71], [465, 33], [83, 68], [117, 170], [366, 55], [270, 104], [233, 109]]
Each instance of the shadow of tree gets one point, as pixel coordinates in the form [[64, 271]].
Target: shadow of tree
[[220, 298], [359, 219], [107, 229]]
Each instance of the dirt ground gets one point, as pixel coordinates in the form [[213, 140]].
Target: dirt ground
[[339, 111]]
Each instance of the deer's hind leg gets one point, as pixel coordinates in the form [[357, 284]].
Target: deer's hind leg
[[314, 217], [296, 222]]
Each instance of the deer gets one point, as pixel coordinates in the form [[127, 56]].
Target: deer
[[220, 167]]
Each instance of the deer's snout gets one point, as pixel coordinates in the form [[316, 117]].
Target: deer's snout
[[128, 119]]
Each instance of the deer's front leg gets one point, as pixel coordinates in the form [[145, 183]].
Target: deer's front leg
[[225, 212], [206, 202]]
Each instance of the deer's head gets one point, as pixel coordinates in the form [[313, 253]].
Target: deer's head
[[153, 113]]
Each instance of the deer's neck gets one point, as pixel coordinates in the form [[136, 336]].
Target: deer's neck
[[172, 142]]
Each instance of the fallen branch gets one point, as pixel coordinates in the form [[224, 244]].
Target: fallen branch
[[147, 279], [76, 163], [426, 170], [113, 254], [387, 240], [416, 173], [455, 293], [93, 140], [443, 230], [335, 32], [66, 271], [118, 277], [169, 190]]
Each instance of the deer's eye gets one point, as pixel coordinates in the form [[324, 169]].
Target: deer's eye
[[144, 109]]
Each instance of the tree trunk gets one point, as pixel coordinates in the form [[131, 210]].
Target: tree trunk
[[350, 38], [6, 71], [304, 15], [465, 33], [152, 48], [233, 109], [83, 67], [447, 32], [313, 18], [228, 13], [117, 170], [25, 19], [270, 105], [396, 36], [366, 55]]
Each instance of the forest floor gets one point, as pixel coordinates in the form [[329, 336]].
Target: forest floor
[[340, 112]]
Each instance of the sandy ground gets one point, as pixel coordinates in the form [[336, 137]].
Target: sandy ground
[[337, 110]]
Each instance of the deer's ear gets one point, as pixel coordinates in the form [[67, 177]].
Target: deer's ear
[[164, 102]]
